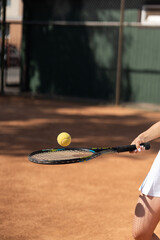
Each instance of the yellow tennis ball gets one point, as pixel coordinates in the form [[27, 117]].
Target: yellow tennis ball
[[64, 139]]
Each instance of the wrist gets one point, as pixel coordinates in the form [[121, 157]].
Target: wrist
[[144, 137]]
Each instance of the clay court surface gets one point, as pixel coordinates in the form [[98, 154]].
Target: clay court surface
[[94, 200]]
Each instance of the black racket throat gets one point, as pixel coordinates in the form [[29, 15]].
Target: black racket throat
[[75, 155]]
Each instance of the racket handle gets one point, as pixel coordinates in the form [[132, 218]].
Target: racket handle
[[130, 148]]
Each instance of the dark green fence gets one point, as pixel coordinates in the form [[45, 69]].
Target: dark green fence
[[78, 61], [141, 65], [70, 48]]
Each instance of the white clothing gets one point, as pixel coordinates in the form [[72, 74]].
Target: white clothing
[[151, 184]]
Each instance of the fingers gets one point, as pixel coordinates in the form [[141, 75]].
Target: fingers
[[138, 150], [139, 147]]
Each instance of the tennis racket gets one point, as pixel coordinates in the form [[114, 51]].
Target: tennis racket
[[75, 155]]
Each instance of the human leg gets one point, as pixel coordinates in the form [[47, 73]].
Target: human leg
[[155, 237], [147, 216]]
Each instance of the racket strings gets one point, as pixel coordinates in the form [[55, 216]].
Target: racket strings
[[62, 155]]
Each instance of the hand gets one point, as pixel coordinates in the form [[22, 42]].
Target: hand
[[137, 142]]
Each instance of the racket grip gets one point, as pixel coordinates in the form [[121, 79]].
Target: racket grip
[[131, 148]]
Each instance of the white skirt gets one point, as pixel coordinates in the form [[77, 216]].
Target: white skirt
[[151, 184]]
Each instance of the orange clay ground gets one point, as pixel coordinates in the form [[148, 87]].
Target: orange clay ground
[[94, 200]]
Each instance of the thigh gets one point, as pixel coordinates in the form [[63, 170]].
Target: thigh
[[147, 216]]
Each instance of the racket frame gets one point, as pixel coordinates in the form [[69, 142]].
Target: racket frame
[[95, 153]]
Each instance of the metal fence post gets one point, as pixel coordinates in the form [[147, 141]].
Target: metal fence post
[[119, 58], [3, 27]]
